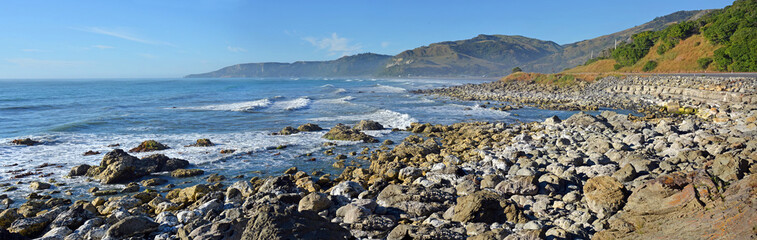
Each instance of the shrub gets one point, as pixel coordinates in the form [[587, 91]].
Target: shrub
[[517, 69], [617, 66], [704, 62], [649, 66]]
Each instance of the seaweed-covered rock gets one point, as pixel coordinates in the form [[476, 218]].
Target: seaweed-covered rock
[[202, 142], [345, 133], [183, 173], [148, 146], [288, 130], [309, 127]]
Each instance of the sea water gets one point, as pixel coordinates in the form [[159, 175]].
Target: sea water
[[71, 117]]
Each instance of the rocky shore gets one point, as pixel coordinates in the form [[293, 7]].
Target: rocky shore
[[670, 176]]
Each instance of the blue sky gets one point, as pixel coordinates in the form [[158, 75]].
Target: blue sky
[[167, 38]]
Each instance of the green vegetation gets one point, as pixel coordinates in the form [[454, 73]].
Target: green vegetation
[[704, 63], [735, 28], [517, 69], [649, 66]]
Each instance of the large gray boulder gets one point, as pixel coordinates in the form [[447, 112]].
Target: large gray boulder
[[118, 166]]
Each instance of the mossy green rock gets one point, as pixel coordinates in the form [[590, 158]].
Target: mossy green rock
[[345, 133], [149, 145], [182, 173]]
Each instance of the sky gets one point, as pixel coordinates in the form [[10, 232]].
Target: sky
[[172, 38]]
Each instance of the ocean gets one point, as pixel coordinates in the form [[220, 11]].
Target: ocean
[[71, 117]]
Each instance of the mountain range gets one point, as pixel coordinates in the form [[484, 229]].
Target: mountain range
[[481, 56]]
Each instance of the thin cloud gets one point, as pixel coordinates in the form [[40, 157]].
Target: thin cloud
[[122, 35], [33, 62], [102, 47], [235, 49], [335, 45]]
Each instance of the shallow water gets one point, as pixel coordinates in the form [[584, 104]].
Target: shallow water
[[75, 116]]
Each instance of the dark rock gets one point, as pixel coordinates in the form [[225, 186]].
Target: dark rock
[[25, 141], [118, 166], [148, 146], [79, 170], [424, 232], [132, 226], [288, 130], [90, 153]]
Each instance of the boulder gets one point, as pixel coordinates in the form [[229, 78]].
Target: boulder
[[348, 189], [132, 226], [39, 185], [314, 202], [728, 167], [274, 222], [486, 207], [148, 146], [625, 174], [345, 133], [309, 127], [7, 217], [288, 130], [368, 125], [423, 232], [79, 170], [118, 166], [604, 195]]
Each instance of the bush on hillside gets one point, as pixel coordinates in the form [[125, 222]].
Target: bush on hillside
[[649, 66], [704, 62]]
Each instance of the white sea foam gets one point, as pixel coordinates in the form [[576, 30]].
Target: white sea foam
[[387, 89], [294, 104], [342, 100], [238, 107], [340, 90], [387, 118]]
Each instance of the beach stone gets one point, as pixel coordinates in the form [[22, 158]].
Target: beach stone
[[39, 185], [79, 170], [345, 133], [279, 185], [29, 227], [487, 207], [314, 202], [425, 232], [148, 146], [553, 120], [184, 173], [368, 125], [309, 127], [75, 216], [604, 195], [118, 166], [7, 217], [519, 185], [57, 233], [132, 226], [153, 182], [277, 222], [414, 200]]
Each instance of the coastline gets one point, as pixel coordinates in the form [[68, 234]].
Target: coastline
[[604, 177]]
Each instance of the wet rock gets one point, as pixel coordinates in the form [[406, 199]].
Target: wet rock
[[487, 207], [7, 217], [273, 221], [309, 127], [288, 130], [148, 146], [202, 142], [604, 195], [25, 141], [345, 133], [90, 153], [184, 173], [314, 202], [79, 170], [39, 185], [132, 226], [153, 182], [368, 125]]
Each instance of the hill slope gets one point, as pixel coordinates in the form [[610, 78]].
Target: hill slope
[[479, 56], [360, 65], [575, 54]]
